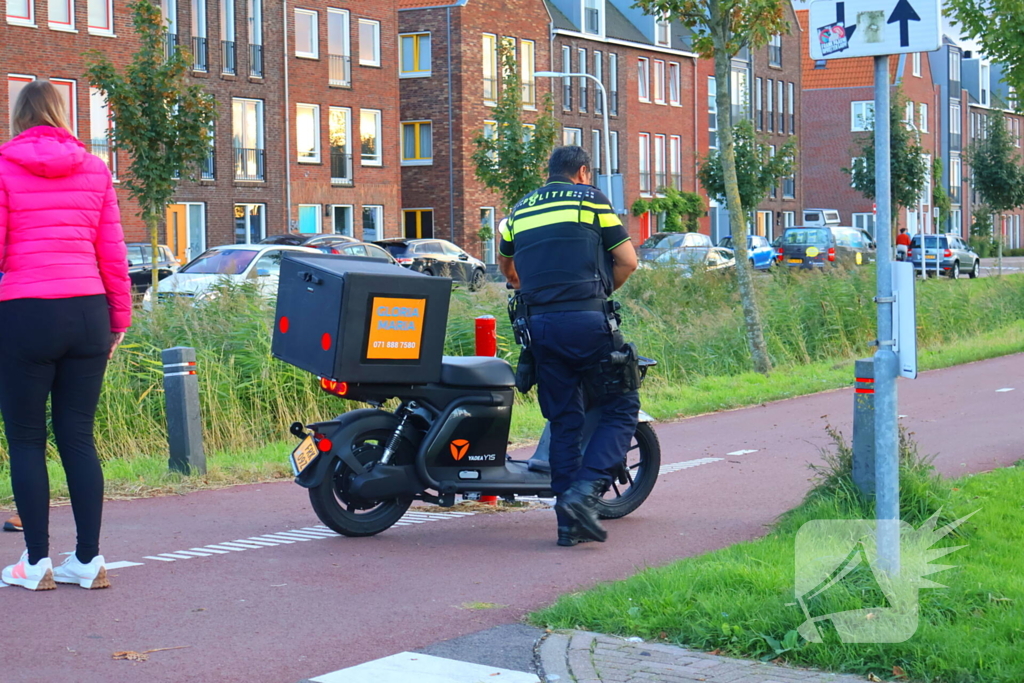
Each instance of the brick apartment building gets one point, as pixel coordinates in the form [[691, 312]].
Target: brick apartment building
[[449, 81], [838, 107]]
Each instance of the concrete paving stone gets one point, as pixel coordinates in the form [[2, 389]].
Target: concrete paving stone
[[581, 640], [580, 665]]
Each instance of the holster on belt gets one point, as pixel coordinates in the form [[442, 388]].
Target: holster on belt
[[615, 375]]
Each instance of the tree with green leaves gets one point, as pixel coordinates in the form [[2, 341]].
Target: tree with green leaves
[[757, 169], [682, 209], [940, 198], [909, 168], [997, 26], [512, 161], [721, 28], [998, 177], [160, 120]]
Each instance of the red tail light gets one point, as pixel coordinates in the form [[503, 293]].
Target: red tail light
[[334, 387], [831, 253], [947, 253], [323, 444], [781, 252], [404, 261]]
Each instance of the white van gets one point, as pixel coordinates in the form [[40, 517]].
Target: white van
[[820, 217]]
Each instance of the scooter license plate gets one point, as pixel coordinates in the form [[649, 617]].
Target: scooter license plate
[[303, 455]]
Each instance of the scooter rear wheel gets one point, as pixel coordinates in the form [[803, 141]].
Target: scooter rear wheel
[[636, 477], [347, 515]]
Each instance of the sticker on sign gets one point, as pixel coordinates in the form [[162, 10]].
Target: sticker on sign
[[871, 28]]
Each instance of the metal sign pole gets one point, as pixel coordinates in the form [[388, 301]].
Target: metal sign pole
[[887, 501]]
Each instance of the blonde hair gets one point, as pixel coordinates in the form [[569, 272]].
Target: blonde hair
[[39, 104]]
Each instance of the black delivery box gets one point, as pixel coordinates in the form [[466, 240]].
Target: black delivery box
[[356, 320]]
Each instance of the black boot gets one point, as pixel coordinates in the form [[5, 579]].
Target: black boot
[[580, 504], [569, 536]]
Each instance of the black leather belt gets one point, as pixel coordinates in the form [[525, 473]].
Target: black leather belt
[[599, 305]]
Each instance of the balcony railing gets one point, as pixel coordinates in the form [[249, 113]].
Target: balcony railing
[[341, 168], [645, 182], [102, 148], [529, 93], [207, 166], [249, 164], [676, 182], [227, 48], [567, 96], [660, 180], [613, 103], [200, 59], [775, 55], [170, 44], [490, 89], [340, 71], [256, 61]]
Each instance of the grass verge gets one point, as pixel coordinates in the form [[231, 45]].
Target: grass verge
[[740, 600]]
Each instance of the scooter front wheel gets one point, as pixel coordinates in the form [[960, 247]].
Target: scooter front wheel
[[636, 476], [347, 515]]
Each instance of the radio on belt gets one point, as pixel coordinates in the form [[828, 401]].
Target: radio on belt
[[357, 320]]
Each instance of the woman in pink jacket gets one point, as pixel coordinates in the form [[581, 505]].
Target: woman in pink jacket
[[65, 303]]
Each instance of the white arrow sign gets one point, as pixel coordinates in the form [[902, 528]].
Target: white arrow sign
[[871, 28]]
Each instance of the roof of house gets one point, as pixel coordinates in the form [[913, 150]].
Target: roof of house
[[617, 26], [559, 20], [413, 4], [854, 72]]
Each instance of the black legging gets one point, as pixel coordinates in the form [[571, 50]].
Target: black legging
[[54, 348]]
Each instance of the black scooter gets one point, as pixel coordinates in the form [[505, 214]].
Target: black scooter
[[365, 468]]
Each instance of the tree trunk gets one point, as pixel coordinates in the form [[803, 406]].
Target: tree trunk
[[152, 223], [737, 223]]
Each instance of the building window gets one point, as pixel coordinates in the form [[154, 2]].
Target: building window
[[614, 148], [487, 225], [68, 92], [675, 162], [984, 85], [490, 67], [307, 132], [339, 134], [306, 34], [250, 223], [100, 16], [309, 218], [758, 103], [15, 84], [592, 16], [581, 59], [954, 67], [338, 49], [21, 12], [660, 181], [373, 223], [712, 113], [613, 84], [247, 137], [908, 113], [780, 100], [922, 114], [775, 50], [100, 127], [644, 159], [169, 9], [791, 108], [955, 178], [369, 135], [643, 82], [62, 15], [200, 49], [419, 223], [527, 66], [414, 57], [788, 219], [341, 219], [862, 116], [595, 151], [674, 84], [740, 89], [256, 38], [417, 143], [599, 75], [954, 125], [663, 32], [572, 136], [369, 42], [916, 62], [775, 189], [227, 36], [770, 106], [659, 81]]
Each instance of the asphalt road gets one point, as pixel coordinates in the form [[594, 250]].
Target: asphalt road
[[281, 610]]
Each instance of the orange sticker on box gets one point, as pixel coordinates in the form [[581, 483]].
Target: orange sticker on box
[[396, 328]]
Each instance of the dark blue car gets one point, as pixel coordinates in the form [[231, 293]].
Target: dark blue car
[[759, 252]]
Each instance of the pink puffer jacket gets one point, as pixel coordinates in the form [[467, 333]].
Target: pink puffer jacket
[[60, 227]]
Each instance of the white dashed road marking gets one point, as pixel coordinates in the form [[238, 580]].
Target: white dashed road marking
[[411, 666], [743, 452], [687, 464], [1004, 390]]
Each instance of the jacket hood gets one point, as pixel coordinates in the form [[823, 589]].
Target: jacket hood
[[45, 151]]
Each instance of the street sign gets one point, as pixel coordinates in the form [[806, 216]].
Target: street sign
[[872, 28], [904, 318]]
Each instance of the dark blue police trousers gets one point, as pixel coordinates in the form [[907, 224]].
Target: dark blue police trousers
[[565, 345]]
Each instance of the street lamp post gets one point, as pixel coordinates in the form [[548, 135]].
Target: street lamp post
[[604, 115]]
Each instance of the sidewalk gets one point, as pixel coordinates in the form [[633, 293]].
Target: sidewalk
[[582, 657]]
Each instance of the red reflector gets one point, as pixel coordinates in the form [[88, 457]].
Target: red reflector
[[866, 380], [334, 387], [324, 445], [283, 324], [325, 341], [864, 391]]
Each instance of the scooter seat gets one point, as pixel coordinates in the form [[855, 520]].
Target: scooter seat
[[476, 371]]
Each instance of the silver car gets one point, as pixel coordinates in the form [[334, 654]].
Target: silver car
[[950, 253]]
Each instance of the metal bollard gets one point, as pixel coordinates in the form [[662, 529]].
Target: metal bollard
[[864, 426], [486, 336], [184, 423]]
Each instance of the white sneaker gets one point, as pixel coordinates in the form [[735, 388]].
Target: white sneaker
[[92, 575], [35, 577]]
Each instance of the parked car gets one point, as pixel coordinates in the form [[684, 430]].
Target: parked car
[[364, 250], [140, 264], [759, 252], [324, 241], [437, 257], [817, 247], [230, 263], [660, 242], [951, 252], [690, 259]]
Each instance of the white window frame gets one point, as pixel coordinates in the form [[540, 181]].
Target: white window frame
[[247, 211], [955, 124], [20, 20], [712, 111], [18, 78], [55, 25], [662, 32], [614, 138], [376, 42], [792, 112], [593, 6], [527, 67], [572, 136], [313, 156], [100, 120], [379, 160], [581, 62], [643, 162], [72, 101], [769, 106], [314, 37], [915, 60], [862, 116], [908, 113], [853, 164], [417, 40], [659, 153], [596, 161], [418, 127], [788, 219], [643, 83], [659, 81], [318, 212], [227, 27], [345, 229], [378, 209], [489, 245], [922, 116], [675, 83], [675, 157], [489, 62], [108, 6], [347, 149]]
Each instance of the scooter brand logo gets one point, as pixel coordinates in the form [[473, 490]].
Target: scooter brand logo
[[459, 448]]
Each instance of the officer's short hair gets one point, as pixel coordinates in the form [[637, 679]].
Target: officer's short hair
[[567, 161]]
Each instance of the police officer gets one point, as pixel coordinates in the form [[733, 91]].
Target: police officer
[[566, 251]]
